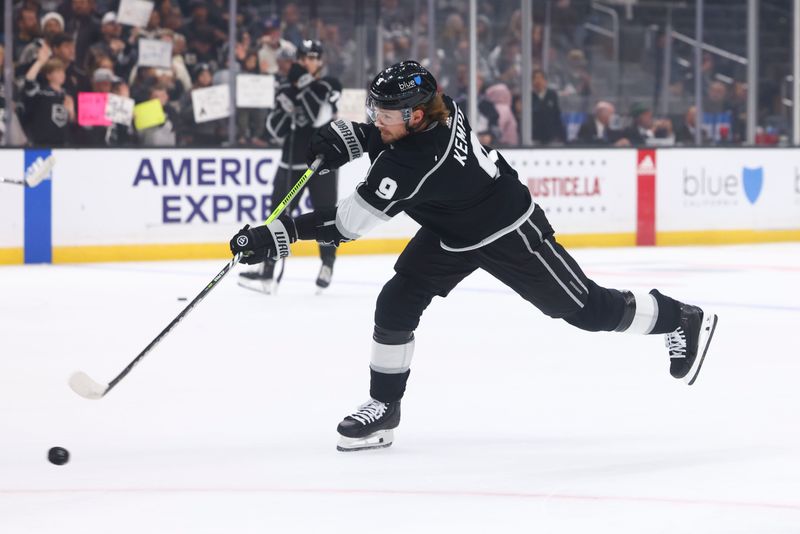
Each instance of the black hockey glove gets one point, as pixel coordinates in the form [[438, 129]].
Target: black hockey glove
[[262, 242], [286, 99], [299, 76], [339, 142]]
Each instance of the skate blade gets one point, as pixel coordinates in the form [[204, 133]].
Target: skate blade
[[706, 333], [377, 440], [268, 288]]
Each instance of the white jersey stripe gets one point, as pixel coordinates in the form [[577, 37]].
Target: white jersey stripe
[[495, 236], [355, 217], [438, 163]]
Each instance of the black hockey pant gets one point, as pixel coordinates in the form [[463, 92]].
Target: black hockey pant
[[528, 260]]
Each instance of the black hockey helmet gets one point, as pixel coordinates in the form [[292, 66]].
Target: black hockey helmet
[[404, 85], [309, 48]]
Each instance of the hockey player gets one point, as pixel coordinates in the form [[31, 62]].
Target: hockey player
[[475, 214], [305, 101]]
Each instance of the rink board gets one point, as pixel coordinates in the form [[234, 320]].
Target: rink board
[[12, 204], [728, 195], [153, 204]]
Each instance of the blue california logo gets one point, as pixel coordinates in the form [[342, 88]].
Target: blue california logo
[[418, 80], [753, 181]]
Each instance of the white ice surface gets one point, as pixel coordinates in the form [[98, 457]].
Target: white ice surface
[[512, 422]]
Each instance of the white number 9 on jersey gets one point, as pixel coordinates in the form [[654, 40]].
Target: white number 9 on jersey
[[386, 188]]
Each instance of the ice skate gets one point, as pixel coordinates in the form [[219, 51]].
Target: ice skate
[[370, 427], [324, 276], [262, 279], [688, 344]]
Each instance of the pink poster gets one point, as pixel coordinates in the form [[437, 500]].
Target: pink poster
[[92, 109]]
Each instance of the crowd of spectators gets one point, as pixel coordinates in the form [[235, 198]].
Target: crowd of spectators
[[66, 47]]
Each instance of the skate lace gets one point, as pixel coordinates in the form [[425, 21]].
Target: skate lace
[[369, 412], [676, 343]]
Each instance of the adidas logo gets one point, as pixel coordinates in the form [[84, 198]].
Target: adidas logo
[[647, 166]]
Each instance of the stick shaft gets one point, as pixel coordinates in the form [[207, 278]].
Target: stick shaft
[[206, 290]]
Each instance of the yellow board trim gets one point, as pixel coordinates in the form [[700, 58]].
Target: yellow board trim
[[725, 237], [203, 251], [597, 240], [197, 251], [10, 256]]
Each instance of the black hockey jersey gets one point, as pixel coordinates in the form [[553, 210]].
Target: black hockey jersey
[[297, 113], [444, 179], [45, 114]]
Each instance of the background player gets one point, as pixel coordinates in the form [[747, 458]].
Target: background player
[[475, 213], [305, 100]]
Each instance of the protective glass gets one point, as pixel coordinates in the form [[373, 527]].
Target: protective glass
[[383, 117]]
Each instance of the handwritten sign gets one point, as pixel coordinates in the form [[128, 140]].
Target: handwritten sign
[[352, 105], [211, 103], [155, 53], [119, 109], [92, 109], [255, 91], [134, 12], [148, 114]]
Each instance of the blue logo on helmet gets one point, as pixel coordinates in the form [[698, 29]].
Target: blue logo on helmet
[[418, 80], [411, 83]]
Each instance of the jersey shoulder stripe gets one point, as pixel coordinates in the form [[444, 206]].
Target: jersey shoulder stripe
[[436, 166]]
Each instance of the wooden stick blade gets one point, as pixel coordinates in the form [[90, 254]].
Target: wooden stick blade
[[87, 388]]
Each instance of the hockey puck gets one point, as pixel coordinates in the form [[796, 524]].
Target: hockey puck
[[58, 455], [182, 299]]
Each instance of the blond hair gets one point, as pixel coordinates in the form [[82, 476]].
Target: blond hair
[[53, 65], [435, 110]]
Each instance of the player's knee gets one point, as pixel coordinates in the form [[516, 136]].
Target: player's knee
[[401, 303]]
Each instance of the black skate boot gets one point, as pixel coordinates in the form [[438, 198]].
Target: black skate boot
[[689, 342], [370, 427], [261, 279], [324, 276]]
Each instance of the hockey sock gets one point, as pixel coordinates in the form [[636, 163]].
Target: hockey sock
[[387, 387], [650, 313], [389, 364], [327, 254], [669, 313]]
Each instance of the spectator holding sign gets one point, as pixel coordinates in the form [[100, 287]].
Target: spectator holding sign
[[48, 109], [163, 134], [203, 133], [112, 45]]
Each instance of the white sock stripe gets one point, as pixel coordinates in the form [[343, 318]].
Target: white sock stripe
[[549, 269], [644, 319], [567, 266], [391, 359]]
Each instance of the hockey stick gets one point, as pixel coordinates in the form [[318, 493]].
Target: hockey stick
[[84, 386], [37, 172]]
